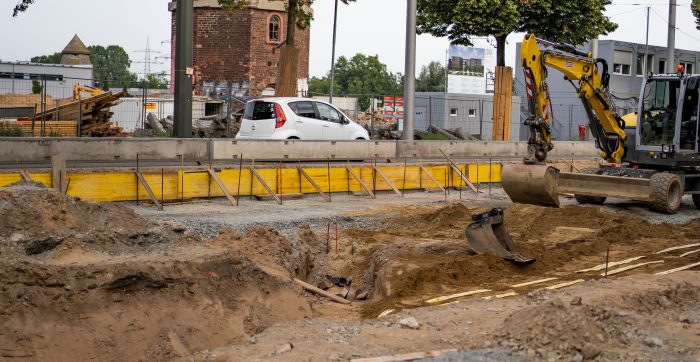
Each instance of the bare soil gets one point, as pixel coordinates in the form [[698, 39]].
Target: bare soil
[[97, 281]]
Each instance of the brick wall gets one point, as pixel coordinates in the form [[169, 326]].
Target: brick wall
[[236, 48]]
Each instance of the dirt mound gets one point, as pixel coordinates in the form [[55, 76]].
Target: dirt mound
[[425, 254], [35, 220], [159, 307], [270, 249], [611, 330]]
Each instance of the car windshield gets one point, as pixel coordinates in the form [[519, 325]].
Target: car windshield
[[259, 110]]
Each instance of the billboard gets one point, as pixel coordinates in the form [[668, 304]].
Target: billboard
[[469, 69]]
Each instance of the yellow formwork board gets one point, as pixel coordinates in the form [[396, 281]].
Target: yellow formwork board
[[173, 185]]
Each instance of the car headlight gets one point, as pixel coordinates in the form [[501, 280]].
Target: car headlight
[[667, 148]]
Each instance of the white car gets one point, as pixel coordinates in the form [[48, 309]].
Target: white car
[[297, 118]]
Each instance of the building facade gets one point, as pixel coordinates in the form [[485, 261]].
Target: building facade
[[241, 49], [472, 112], [628, 63]]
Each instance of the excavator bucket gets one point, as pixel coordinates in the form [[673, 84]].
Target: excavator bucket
[[531, 184], [488, 235]]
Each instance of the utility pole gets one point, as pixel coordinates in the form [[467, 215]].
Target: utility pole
[[410, 70], [671, 63], [335, 27], [594, 48], [646, 47], [184, 43]]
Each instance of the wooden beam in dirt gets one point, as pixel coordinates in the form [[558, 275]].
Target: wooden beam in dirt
[[313, 183], [321, 292], [388, 181], [678, 248], [678, 269], [265, 185], [458, 295], [148, 190], [430, 176], [533, 282], [567, 284], [406, 356], [629, 267], [231, 199], [25, 175], [359, 180], [459, 172]]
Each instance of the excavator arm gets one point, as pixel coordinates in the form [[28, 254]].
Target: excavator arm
[[591, 77]]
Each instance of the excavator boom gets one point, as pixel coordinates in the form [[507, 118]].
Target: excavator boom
[[532, 182]]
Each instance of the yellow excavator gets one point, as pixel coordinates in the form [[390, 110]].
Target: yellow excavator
[[78, 90], [652, 156]]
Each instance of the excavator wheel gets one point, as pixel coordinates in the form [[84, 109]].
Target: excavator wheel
[[593, 200], [696, 200], [666, 192]]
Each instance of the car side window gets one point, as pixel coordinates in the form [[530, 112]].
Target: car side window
[[303, 109], [327, 113]]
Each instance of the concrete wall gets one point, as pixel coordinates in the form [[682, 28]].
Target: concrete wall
[[16, 150]]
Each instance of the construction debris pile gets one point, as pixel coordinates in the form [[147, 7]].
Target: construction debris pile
[[94, 115], [207, 127]]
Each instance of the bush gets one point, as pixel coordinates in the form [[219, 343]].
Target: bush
[[8, 129]]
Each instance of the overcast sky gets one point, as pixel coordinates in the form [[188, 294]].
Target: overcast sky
[[374, 27]]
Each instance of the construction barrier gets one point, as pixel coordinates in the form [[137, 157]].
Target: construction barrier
[[172, 185]]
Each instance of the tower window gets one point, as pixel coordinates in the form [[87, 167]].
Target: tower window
[[273, 31]]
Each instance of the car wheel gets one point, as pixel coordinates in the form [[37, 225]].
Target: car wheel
[[293, 138], [360, 139]]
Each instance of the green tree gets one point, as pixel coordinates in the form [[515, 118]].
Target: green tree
[[111, 66], [569, 21], [360, 76], [432, 78], [36, 87], [695, 7], [54, 58], [155, 81]]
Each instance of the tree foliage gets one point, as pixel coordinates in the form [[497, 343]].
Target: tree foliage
[[432, 78], [569, 21], [21, 6], [54, 58], [695, 7], [360, 76], [111, 66]]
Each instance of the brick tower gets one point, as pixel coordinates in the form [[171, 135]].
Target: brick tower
[[242, 48]]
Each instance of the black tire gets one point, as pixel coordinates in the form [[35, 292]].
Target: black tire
[[593, 200], [696, 201], [293, 138], [360, 139], [666, 192]]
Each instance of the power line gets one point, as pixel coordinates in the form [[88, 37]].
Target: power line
[[677, 28]]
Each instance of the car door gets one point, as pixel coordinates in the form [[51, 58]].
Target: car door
[[306, 120], [333, 129]]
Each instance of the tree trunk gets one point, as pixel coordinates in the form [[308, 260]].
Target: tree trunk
[[287, 69], [501, 50]]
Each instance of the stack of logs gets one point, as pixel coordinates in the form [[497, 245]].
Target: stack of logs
[[96, 115]]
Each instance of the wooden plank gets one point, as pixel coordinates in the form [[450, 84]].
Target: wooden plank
[[611, 264], [430, 176], [388, 181], [267, 197], [313, 183], [567, 284], [25, 175], [406, 356], [533, 282], [265, 185], [678, 248], [231, 199], [148, 190], [689, 253], [321, 292], [359, 180], [630, 267], [457, 295], [386, 313], [459, 172], [678, 269], [58, 172]]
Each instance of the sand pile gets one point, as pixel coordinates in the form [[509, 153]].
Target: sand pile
[[35, 220]]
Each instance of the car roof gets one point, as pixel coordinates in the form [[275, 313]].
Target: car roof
[[287, 99]]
